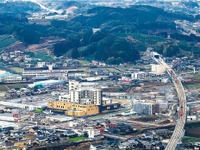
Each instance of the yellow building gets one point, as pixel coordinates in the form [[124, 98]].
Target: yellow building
[[73, 109]]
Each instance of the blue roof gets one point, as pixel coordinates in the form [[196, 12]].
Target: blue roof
[[46, 83]]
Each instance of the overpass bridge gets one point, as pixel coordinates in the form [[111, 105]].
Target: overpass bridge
[[179, 131]]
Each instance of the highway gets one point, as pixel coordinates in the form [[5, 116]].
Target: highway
[[179, 128]]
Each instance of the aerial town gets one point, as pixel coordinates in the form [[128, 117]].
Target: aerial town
[[85, 104], [105, 86]]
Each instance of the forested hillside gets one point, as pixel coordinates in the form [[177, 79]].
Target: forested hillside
[[122, 33]]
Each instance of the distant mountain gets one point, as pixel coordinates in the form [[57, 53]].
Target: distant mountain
[[113, 35], [19, 7], [124, 32]]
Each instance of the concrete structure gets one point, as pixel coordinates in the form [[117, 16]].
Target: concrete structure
[[47, 83], [41, 64], [192, 118], [59, 118], [138, 75], [9, 77], [75, 73], [179, 128], [65, 98], [86, 96], [145, 108], [158, 69], [92, 133], [73, 84], [4, 124], [19, 105], [74, 109], [49, 71], [82, 101]]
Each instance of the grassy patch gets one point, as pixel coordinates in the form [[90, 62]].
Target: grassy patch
[[191, 139], [6, 43], [4, 87], [4, 36], [84, 62], [192, 85], [43, 55], [148, 38], [106, 68], [38, 110], [196, 76], [17, 70], [74, 139]]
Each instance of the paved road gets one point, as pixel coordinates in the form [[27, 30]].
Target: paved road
[[179, 128], [114, 136]]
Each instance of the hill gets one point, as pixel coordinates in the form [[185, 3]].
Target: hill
[[124, 30], [121, 33]]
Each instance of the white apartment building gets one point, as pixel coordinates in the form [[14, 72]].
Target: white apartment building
[[144, 108], [92, 133], [158, 69], [73, 84], [138, 75], [86, 96]]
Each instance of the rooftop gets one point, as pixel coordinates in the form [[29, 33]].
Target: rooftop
[[7, 74]]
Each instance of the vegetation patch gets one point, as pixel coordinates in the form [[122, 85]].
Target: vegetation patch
[[192, 85], [43, 56], [17, 70], [6, 42], [191, 139], [38, 110], [74, 139], [4, 36], [6, 87]]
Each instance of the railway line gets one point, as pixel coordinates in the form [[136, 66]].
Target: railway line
[[179, 131]]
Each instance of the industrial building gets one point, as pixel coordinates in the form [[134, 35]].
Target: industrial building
[[9, 77]]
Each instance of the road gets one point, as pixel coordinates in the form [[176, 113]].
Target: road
[[179, 128], [114, 136]]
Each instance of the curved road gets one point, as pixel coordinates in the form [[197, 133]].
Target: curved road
[[179, 128]]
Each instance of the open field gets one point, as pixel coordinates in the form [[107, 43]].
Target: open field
[[6, 42], [193, 130], [192, 85], [84, 62], [99, 68], [191, 139], [112, 69], [6, 87], [4, 36], [43, 55], [17, 70], [196, 76], [74, 139]]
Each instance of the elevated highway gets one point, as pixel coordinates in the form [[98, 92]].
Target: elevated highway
[[179, 128]]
